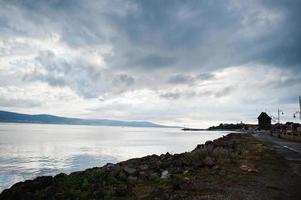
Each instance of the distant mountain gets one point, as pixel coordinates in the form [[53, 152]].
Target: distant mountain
[[12, 117]]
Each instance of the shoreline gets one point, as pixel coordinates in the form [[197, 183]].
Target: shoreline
[[207, 171]]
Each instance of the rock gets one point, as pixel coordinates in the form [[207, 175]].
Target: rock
[[143, 167], [176, 170], [247, 169], [177, 163], [121, 190], [199, 164], [209, 161], [122, 176], [199, 146], [216, 167], [165, 164], [209, 142], [209, 148], [177, 182], [109, 166], [164, 174], [244, 167], [142, 174], [219, 151], [132, 179], [129, 170], [158, 163], [115, 171], [252, 170], [153, 176]]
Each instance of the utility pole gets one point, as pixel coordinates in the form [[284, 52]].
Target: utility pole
[[299, 110], [279, 112], [300, 107]]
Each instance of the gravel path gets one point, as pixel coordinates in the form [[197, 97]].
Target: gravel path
[[289, 163]]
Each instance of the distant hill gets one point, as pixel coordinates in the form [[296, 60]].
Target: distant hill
[[12, 117]]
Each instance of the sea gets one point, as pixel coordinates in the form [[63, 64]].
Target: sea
[[31, 150]]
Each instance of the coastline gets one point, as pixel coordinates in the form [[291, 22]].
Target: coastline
[[224, 168]]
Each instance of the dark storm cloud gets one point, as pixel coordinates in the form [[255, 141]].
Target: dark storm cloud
[[189, 79], [155, 61], [181, 79], [290, 82], [211, 34], [157, 34], [285, 42], [176, 37]]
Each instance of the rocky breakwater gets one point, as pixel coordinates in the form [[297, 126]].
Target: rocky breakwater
[[205, 172]]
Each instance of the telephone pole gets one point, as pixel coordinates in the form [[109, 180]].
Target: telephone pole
[[299, 111], [279, 112], [300, 107]]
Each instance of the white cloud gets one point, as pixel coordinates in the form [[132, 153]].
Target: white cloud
[[141, 61]]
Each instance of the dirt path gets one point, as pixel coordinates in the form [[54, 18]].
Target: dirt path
[[291, 151], [286, 165]]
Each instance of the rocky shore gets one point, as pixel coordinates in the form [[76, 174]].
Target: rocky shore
[[236, 166]]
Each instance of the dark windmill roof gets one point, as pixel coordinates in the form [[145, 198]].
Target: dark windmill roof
[[264, 115]]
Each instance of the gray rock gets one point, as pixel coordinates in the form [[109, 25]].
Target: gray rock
[[209, 161], [154, 176], [129, 170], [143, 167], [132, 179], [164, 174]]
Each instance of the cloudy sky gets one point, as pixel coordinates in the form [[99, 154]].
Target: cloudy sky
[[192, 63]]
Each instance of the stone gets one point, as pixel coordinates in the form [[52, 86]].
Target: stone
[[121, 191], [209, 142], [143, 167], [142, 174], [177, 163], [154, 175], [129, 170], [132, 179], [252, 170], [164, 174], [244, 167], [199, 164], [122, 176], [209, 161], [109, 165]]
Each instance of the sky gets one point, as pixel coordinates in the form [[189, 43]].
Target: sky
[[186, 63]]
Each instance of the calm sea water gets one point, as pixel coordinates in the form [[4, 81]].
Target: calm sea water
[[31, 150]]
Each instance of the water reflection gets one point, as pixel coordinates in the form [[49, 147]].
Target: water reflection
[[30, 150]]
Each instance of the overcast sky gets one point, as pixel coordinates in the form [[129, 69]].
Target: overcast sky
[[193, 63]]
